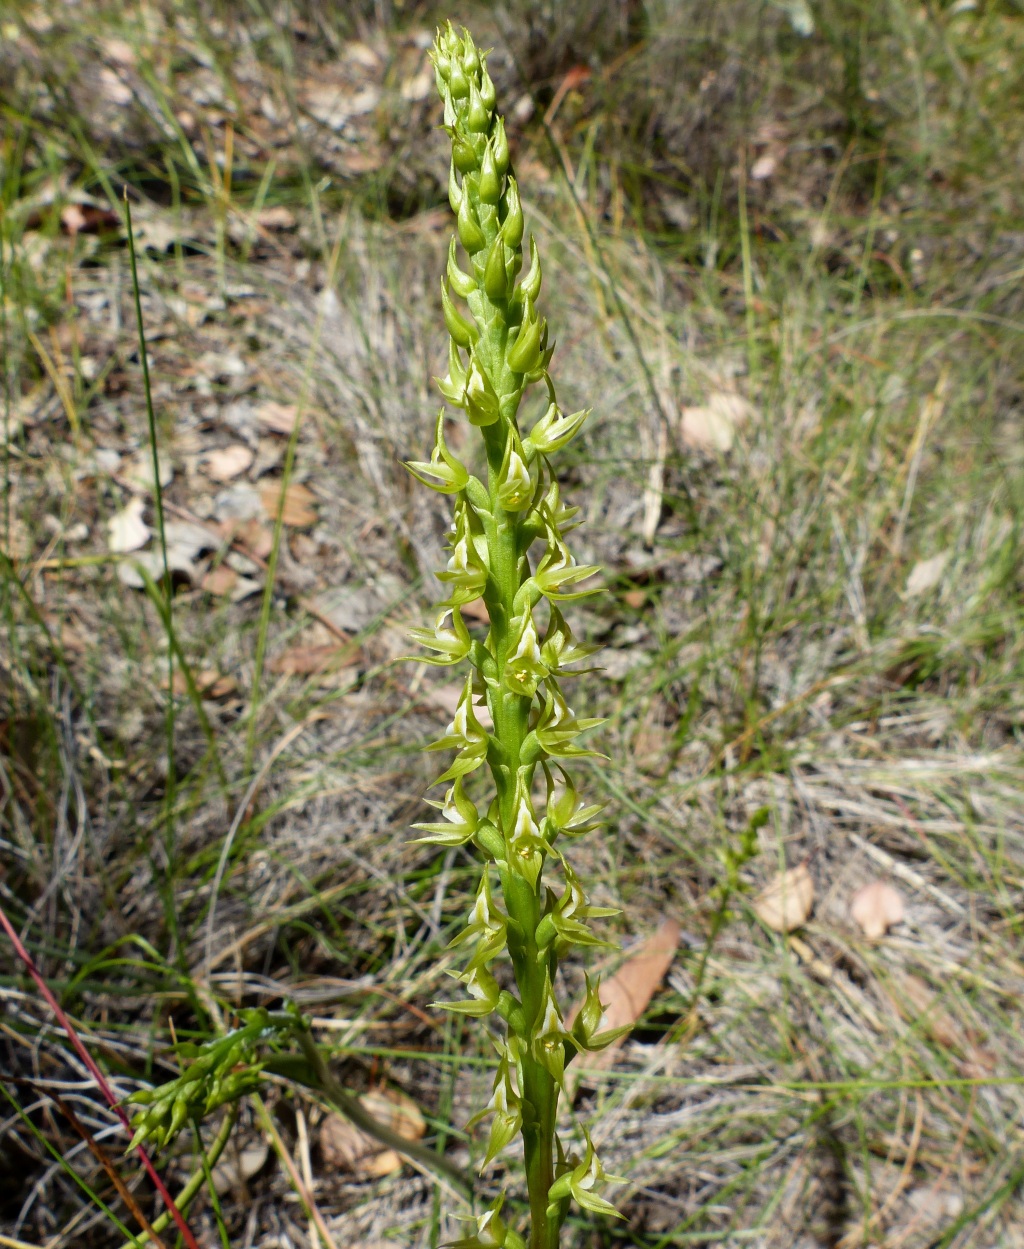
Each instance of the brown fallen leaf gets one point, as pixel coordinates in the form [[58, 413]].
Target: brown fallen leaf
[[220, 580], [626, 995], [277, 217], [787, 902], [227, 463], [712, 426], [126, 529], [875, 907], [239, 1165], [346, 1148], [305, 661], [209, 682], [916, 1002], [652, 745], [476, 610], [298, 503], [278, 418]]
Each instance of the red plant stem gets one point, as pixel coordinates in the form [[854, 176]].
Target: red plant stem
[[97, 1075]]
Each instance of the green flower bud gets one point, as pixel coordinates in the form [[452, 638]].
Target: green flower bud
[[457, 80], [490, 180], [464, 156], [455, 192], [499, 141], [495, 273], [463, 284], [470, 56], [524, 354], [487, 92], [490, 841], [463, 332], [529, 287], [471, 236], [512, 227], [477, 116]]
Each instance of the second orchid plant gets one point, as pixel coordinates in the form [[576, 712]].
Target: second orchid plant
[[508, 547]]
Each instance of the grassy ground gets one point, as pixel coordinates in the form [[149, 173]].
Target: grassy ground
[[794, 230]]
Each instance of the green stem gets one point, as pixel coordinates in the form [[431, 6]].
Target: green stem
[[511, 713]]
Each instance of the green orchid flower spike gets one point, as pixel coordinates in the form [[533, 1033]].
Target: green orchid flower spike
[[508, 547]]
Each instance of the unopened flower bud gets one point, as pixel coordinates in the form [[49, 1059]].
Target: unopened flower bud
[[529, 287], [463, 284], [463, 332], [499, 141], [487, 91], [470, 235], [463, 152], [495, 273], [524, 354], [489, 183], [477, 117], [455, 192], [512, 227], [457, 80]]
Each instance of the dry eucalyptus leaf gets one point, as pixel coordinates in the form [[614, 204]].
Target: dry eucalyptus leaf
[[126, 529], [625, 995], [277, 418], [712, 426], [189, 539], [476, 609], [875, 907], [926, 574], [239, 1165], [305, 661], [230, 462], [209, 682], [298, 503], [916, 1002], [787, 902], [276, 217], [705, 429], [220, 580], [346, 1148]]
